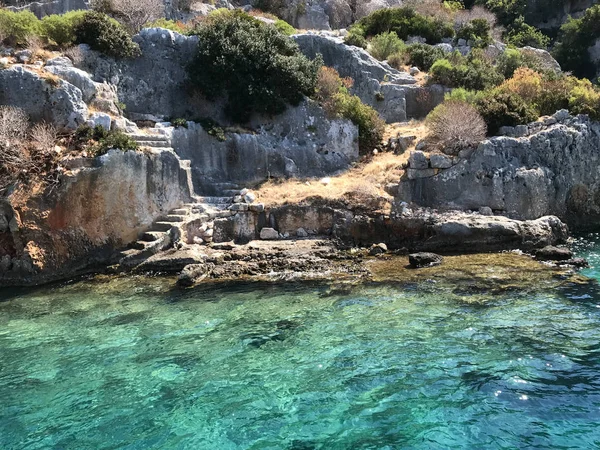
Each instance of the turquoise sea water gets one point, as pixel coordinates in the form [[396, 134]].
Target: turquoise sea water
[[133, 364]]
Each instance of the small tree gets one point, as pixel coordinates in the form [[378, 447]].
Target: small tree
[[456, 125], [257, 68], [105, 35], [133, 14]]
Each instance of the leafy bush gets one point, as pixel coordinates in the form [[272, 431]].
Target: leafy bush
[[258, 68], [385, 44], [16, 28], [356, 38], [404, 22], [60, 29], [105, 35], [284, 27], [526, 83], [456, 125], [424, 56], [179, 122], [213, 129], [478, 31], [576, 36], [332, 94], [520, 34], [472, 72], [398, 60], [97, 141], [500, 109], [172, 25]]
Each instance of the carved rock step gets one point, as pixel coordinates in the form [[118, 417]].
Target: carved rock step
[[151, 236], [155, 144], [173, 218], [164, 226], [148, 137]]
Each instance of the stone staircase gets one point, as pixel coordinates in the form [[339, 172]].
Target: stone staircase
[[192, 223]]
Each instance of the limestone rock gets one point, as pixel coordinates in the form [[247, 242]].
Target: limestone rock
[[486, 211], [552, 253], [439, 161], [378, 249], [418, 160], [100, 119], [269, 234], [424, 259], [78, 78], [60, 105], [301, 233]]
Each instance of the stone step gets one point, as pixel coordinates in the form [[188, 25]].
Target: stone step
[[215, 200], [148, 137], [173, 218], [164, 226], [230, 192], [151, 236], [141, 244], [155, 144], [132, 258], [180, 212]]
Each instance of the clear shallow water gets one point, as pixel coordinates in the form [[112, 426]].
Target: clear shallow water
[[131, 364]]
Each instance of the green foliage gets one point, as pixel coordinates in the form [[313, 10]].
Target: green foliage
[[512, 59], [424, 56], [284, 27], [332, 93], [60, 29], [105, 35], [385, 44], [255, 66], [370, 125], [404, 22], [356, 37], [16, 28], [478, 31], [520, 34], [97, 141], [172, 25], [179, 122], [500, 109], [472, 72], [213, 129], [576, 36]]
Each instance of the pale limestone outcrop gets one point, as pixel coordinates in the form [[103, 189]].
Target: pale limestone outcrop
[[53, 100], [301, 142], [394, 94], [549, 170]]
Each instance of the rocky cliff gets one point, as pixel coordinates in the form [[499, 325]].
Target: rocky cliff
[[101, 204], [548, 167]]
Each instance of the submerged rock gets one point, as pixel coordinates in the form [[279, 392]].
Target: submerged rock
[[424, 259]]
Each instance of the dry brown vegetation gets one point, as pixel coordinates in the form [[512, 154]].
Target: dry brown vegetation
[[363, 184], [133, 14], [455, 125]]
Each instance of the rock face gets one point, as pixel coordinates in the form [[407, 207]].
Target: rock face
[[418, 231], [53, 100], [302, 142], [153, 83], [392, 93], [548, 172], [48, 7], [97, 208]]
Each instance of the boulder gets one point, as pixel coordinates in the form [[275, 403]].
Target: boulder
[[439, 161], [100, 119], [60, 104], [77, 77], [418, 160], [424, 259], [378, 249], [269, 234], [552, 253], [301, 233]]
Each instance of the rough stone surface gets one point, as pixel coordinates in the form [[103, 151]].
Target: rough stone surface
[[552, 253], [547, 173], [418, 160], [60, 105], [301, 142], [269, 234], [439, 161], [378, 249]]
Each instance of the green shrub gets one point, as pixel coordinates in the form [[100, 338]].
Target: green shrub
[[520, 34], [473, 72], [97, 141], [256, 67], [500, 109], [576, 36], [424, 56], [16, 28], [478, 31], [370, 125], [172, 25], [213, 129], [385, 44], [284, 27], [332, 93], [356, 38], [60, 29], [405, 22], [105, 35], [179, 122]]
